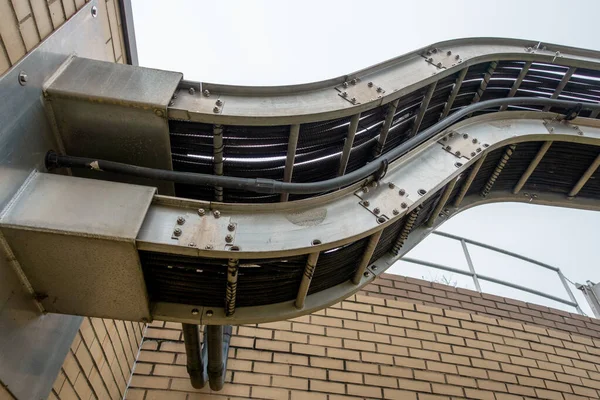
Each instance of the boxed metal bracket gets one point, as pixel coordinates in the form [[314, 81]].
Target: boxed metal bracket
[[562, 127], [384, 200], [356, 91], [442, 58], [462, 145]]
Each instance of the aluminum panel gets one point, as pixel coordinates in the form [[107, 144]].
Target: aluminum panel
[[115, 112]]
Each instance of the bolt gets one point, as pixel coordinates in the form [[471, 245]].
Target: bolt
[[231, 227], [195, 311], [478, 150], [403, 205], [434, 51], [366, 274], [174, 95], [465, 136], [391, 185], [192, 244], [344, 94], [219, 102], [216, 110], [486, 145], [159, 113], [229, 238], [448, 53], [379, 89], [445, 139], [451, 134], [353, 81], [201, 212], [366, 203], [449, 148], [457, 154], [192, 91], [206, 93], [23, 78], [430, 59], [439, 65], [208, 247], [345, 84], [458, 165], [457, 57], [473, 154], [176, 232], [395, 211], [171, 102], [474, 141], [353, 100], [180, 220], [373, 184], [376, 210], [209, 313], [94, 11], [370, 84], [216, 213], [374, 267], [402, 192], [365, 190]]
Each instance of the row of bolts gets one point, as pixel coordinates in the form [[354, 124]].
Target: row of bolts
[[202, 212]]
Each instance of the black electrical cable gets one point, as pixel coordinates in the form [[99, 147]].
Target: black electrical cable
[[261, 185]]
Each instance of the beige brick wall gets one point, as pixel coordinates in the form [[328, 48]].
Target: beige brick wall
[[25, 23], [401, 338], [100, 361]]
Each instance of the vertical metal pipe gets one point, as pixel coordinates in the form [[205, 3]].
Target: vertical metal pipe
[[231, 288], [465, 187], [218, 338], [470, 263], [532, 166], [561, 85], [454, 93], [423, 108], [585, 177], [569, 292], [193, 352], [348, 144], [442, 202], [385, 128], [366, 257], [218, 158], [517, 83], [309, 271], [499, 167], [291, 156]]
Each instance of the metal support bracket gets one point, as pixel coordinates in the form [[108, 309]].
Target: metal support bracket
[[384, 200], [462, 145], [208, 230], [442, 58], [562, 127], [356, 91]]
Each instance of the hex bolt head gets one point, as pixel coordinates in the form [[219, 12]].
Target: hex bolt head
[[465, 136], [439, 65], [176, 232], [94, 11], [201, 212], [457, 57], [353, 81], [474, 141], [445, 138], [403, 205], [391, 185], [216, 213], [195, 311], [376, 210], [206, 93], [473, 154], [379, 89], [344, 94], [180, 220], [370, 84], [478, 150], [448, 53], [353, 100], [457, 154], [192, 91], [430, 59], [23, 78], [366, 203], [231, 227], [219, 102], [366, 274], [216, 110], [229, 238], [395, 211], [449, 148], [345, 84], [402, 192]]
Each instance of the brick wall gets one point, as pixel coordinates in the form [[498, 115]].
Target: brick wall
[[100, 361], [25, 23], [401, 338]]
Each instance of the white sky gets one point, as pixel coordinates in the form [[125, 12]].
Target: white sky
[[279, 42]]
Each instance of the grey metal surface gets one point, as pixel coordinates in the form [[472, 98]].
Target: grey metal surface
[[75, 241], [322, 100], [113, 111], [33, 346], [591, 291], [128, 28]]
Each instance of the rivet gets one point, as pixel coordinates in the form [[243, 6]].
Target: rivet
[[403, 205], [216, 213], [366, 203], [395, 211], [474, 141], [445, 139], [180, 220], [448, 148], [457, 154], [192, 91], [466, 135], [478, 150], [201, 212], [176, 232], [451, 134], [448, 53], [206, 93], [195, 311], [402, 192], [231, 227], [370, 84], [439, 65], [344, 94], [391, 185], [376, 210], [457, 57], [94, 11], [353, 100], [229, 238], [219, 102]]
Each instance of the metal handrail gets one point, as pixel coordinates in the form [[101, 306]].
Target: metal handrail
[[476, 277]]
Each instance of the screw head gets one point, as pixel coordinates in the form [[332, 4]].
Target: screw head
[[23, 78], [403, 205], [229, 238], [201, 212], [216, 110], [402, 192], [180, 220], [206, 93], [176, 232], [195, 311], [366, 203], [231, 227], [94, 11], [216, 213], [391, 185], [192, 91], [376, 210], [395, 211]]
